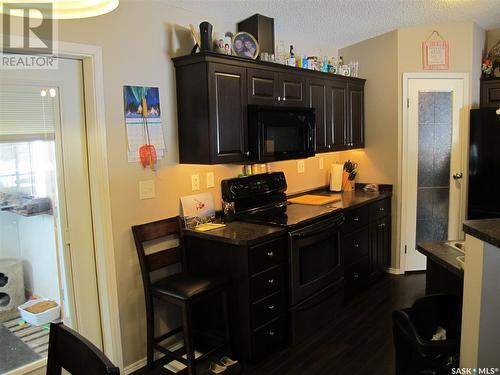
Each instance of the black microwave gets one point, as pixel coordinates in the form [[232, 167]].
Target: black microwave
[[281, 133]]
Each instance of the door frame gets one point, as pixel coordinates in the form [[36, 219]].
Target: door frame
[[464, 142], [95, 121]]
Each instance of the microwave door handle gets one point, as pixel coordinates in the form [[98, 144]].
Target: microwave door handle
[[301, 234], [312, 136]]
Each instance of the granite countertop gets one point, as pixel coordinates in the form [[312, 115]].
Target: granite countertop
[[487, 230], [443, 254], [351, 199], [239, 233], [246, 234]]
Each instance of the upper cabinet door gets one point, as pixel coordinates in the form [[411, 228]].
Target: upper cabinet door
[[292, 90], [337, 116], [356, 115], [228, 113], [317, 99], [262, 87]]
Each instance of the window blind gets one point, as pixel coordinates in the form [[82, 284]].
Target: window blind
[[25, 114]]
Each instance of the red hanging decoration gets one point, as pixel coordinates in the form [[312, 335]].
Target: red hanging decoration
[[147, 152]]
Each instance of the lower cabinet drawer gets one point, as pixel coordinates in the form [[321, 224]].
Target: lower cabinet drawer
[[268, 309], [266, 283], [266, 255], [269, 338], [356, 219], [356, 276], [380, 209], [356, 246]]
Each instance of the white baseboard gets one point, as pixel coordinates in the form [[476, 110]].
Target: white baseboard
[[395, 271], [135, 366]]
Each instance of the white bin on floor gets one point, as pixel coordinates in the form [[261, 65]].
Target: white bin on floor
[[39, 319]]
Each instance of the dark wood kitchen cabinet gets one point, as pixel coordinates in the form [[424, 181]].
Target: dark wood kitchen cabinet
[[213, 92], [337, 119], [267, 87], [258, 298], [329, 99], [212, 110], [490, 93], [356, 115], [366, 244], [317, 90]]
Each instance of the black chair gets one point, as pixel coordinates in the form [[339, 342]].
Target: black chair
[[181, 289], [71, 351], [413, 329]]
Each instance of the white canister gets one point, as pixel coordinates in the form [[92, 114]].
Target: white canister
[[336, 171]]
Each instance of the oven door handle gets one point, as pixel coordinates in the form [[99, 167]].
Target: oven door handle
[[331, 224]]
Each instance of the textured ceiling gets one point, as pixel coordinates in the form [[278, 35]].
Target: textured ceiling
[[344, 22]]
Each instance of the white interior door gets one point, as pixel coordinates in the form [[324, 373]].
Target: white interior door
[[433, 165], [63, 90]]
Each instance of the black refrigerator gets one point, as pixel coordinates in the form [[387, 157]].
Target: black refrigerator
[[484, 164]]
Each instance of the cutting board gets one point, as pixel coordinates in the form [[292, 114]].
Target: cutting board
[[314, 200]]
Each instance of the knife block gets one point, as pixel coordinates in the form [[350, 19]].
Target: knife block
[[347, 185]]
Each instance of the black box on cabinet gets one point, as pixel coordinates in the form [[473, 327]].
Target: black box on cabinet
[[262, 28]]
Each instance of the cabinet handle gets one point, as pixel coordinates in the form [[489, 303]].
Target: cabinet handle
[[270, 254], [271, 333], [381, 209], [356, 245], [278, 98], [270, 307], [270, 281], [247, 153], [356, 276], [356, 219]]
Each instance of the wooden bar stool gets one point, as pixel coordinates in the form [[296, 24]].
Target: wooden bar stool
[[181, 289], [72, 352]]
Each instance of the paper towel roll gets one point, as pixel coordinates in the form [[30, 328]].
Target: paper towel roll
[[336, 171]]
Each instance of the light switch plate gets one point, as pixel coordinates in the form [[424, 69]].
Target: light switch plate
[[321, 163], [195, 182], [210, 180], [300, 166], [147, 189]]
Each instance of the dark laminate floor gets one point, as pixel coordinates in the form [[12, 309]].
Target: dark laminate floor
[[357, 342]]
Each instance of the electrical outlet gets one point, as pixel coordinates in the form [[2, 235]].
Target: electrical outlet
[[210, 180], [195, 182], [146, 189], [300, 166], [321, 163]]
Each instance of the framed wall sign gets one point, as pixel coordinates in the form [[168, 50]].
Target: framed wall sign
[[435, 53]]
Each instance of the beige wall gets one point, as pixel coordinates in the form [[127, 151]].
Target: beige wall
[[378, 162], [138, 40], [466, 41], [492, 37]]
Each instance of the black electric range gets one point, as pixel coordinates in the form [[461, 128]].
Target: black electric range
[[316, 271], [288, 215], [261, 199]]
